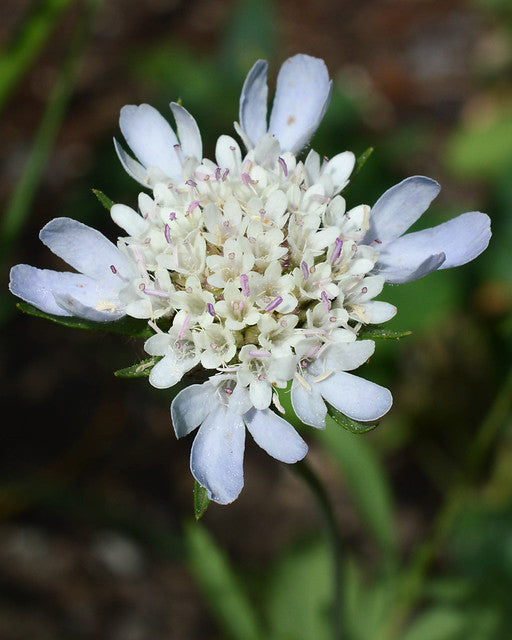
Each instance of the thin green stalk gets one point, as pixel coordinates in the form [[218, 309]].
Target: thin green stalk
[[324, 504], [18, 207], [412, 586]]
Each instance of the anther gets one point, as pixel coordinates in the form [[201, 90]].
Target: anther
[[283, 165], [244, 282], [337, 251], [305, 269], [275, 303], [211, 309]]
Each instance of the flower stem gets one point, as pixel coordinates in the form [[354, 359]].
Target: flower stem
[[334, 539]]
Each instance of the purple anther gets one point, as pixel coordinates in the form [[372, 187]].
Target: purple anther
[[377, 241], [260, 354], [228, 391], [225, 175], [275, 303], [305, 269], [364, 290], [184, 326], [172, 215], [211, 309], [217, 173], [191, 183], [337, 251], [283, 165], [246, 179], [155, 292], [244, 282], [113, 269], [167, 234], [193, 205], [326, 301]]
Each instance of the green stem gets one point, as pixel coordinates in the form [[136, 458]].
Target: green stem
[[412, 586], [334, 538]]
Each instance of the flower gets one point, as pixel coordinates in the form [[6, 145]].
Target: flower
[[251, 270], [94, 292], [321, 376], [159, 154], [303, 92], [403, 258], [222, 410]]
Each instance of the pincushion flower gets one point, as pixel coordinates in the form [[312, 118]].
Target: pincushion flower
[[252, 272], [94, 293]]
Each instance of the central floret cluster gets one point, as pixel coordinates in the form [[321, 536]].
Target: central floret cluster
[[254, 259]]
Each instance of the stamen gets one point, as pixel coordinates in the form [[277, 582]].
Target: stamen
[[113, 269], [305, 269], [167, 234], [364, 290], [217, 173], [244, 281], [172, 215], [283, 165], [260, 354], [191, 183], [323, 376], [302, 381], [326, 301], [275, 303], [211, 309], [225, 175], [155, 292], [184, 326], [337, 251], [193, 205]]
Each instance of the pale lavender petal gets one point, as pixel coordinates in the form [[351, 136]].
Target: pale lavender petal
[[308, 404], [190, 407], [348, 356], [302, 94], [188, 132], [253, 102], [275, 435], [77, 308], [396, 272], [151, 138], [399, 207], [461, 240], [376, 311], [216, 459], [86, 250], [133, 168], [36, 286], [355, 397]]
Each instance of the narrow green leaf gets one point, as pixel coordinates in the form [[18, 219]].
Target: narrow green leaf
[[223, 589], [201, 500], [125, 326], [105, 200], [139, 370], [347, 423], [362, 160], [374, 333]]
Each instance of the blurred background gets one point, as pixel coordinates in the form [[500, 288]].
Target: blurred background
[[97, 539]]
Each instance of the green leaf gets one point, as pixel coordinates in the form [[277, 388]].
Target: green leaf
[[374, 333], [298, 594], [105, 200], [439, 623], [362, 159], [201, 500], [367, 481], [125, 326], [347, 423], [222, 588], [139, 370]]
